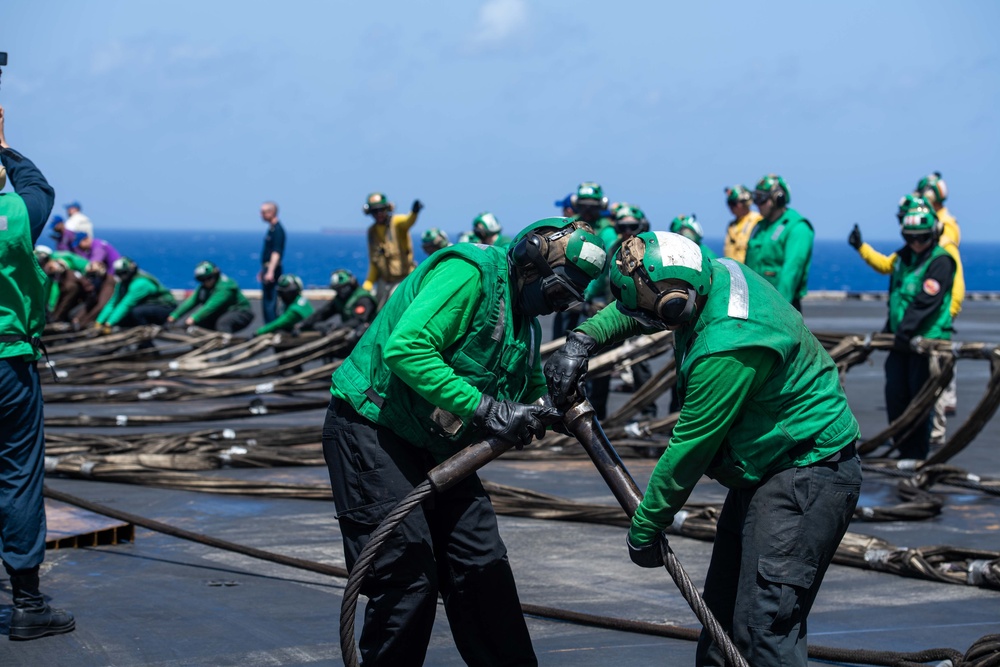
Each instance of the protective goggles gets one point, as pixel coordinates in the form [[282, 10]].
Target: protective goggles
[[924, 237], [628, 226], [559, 291], [759, 197]]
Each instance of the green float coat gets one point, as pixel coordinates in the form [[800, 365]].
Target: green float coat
[[907, 282], [781, 251], [22, 281], [447, 336]]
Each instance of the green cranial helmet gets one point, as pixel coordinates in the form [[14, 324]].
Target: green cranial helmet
[[290, 284], [645, 273], [555, 259], [909, 202], [205, 270], [125, 267], [377, 201], [563, 241], [630, 219], [919, 221], [486, 225], [589, 193], [738, 193], [343, 283], [688, 227], [468, 237], [932, 188], [772, 187], [434, 239]]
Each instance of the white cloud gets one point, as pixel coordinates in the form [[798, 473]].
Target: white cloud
[[500, 21]]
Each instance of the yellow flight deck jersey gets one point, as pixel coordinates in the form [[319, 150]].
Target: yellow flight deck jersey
[[390, 251], [738, 234], [950, 236]]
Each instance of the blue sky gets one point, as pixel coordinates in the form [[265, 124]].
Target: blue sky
[[189, 114]]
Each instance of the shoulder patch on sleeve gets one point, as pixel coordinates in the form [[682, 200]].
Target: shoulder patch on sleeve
[[932, 286]]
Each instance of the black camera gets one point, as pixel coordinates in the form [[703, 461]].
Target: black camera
[[3, 59]]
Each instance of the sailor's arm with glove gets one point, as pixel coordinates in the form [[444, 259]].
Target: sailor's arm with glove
[[434, 322]]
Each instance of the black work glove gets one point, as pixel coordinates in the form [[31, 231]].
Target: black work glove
[[647, 555], [513, 422], [417, 206], [566, 369], [854, 239]]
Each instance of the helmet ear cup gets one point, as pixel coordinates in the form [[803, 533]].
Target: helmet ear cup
[[778, 195], [677, 306], [604, 202]]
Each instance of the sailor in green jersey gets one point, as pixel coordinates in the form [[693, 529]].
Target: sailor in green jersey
[[218, 302], [588, 203], [139, 298], [297, 307], [451, 359], [433, 239], [628, 220], [780, 247], [689, 227], [72, 260], [23, 212], [487, 229], [919, 307], [354, 304], [763, 413]]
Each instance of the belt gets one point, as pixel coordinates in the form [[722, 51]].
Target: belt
[[844, 454], [36, 343]]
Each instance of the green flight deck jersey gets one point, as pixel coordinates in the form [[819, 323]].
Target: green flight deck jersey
[[781, 252], [142, 289], [448, 335], [22, 282], [760, 394], [294, 313]]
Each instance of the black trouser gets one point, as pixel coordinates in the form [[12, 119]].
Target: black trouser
[[599, 389], [147, 313], [905, 374], [772, 548], [230, 321], [450, 544]]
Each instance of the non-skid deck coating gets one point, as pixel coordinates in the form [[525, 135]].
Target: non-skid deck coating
[[165, 601]]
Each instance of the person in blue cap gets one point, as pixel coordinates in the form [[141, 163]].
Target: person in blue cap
[[77, 222], [22, 433], [63, 237]]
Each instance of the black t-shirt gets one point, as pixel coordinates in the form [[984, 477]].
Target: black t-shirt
[[274, 241]]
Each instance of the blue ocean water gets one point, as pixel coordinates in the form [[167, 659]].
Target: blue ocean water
[[172, 255]]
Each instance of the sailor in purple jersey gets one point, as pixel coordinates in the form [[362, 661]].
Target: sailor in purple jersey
[[96, 250], [63, 237]]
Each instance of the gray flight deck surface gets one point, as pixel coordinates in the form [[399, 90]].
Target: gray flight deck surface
[[166, 601]]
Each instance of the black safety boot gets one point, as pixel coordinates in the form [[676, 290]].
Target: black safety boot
[[32, 617]]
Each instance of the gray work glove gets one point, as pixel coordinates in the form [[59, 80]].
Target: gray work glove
[[566, 369], [647, 555], [513, 422]]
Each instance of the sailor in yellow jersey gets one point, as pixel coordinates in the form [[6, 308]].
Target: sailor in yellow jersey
[[390, 248], [740, 228]]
